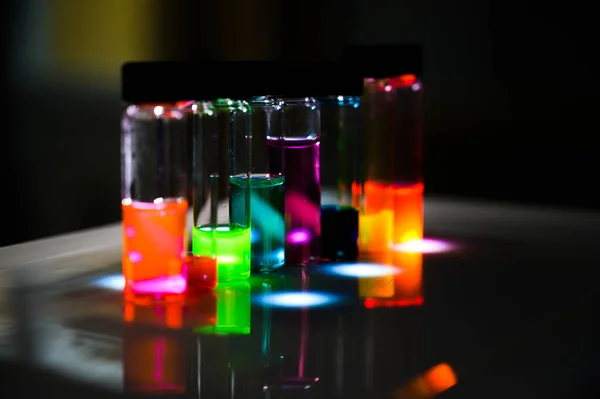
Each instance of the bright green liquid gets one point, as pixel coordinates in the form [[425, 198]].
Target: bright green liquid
[[230, 246], [267, 206]]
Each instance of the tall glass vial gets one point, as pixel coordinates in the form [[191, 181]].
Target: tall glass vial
[[154, 198], [393, 124], [341, 176], [301, 143], [267, 191], [222, 187]]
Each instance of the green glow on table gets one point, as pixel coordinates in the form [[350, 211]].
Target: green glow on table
[[230, 246], [233, 310]]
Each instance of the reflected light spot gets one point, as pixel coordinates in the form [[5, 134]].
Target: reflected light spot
[[297, 299], [229, 259], [169, 285], [135, 256], [129, 231], [424, 246], [363, 270], [298, 236], [114, 282], [254, 236]]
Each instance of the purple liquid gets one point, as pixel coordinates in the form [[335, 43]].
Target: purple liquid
[[302, 196]]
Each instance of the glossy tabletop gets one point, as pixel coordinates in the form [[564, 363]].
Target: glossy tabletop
[[499, 301]]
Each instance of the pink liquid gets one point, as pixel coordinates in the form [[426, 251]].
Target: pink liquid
[[302, 197]]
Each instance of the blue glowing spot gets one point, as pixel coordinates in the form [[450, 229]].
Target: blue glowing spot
[[254, 236], [297, 299], [363, 270], [113, 282], [280, 255]]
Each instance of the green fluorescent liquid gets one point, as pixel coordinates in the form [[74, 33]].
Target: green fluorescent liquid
[[267, 206], [233, 310], [230, 246]]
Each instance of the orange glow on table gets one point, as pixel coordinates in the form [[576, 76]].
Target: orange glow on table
[[395, 290], [434, 381], [154, 239]]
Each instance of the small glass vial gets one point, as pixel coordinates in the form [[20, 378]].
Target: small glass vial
[[301, 148], [154, 198], [341, 177], [221, 167], [267, 185], [393, 122]]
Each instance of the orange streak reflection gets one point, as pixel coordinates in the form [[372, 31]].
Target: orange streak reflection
[[429, 384]]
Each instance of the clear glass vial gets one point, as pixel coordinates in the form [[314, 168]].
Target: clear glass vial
[[222, 224], [154, 198]]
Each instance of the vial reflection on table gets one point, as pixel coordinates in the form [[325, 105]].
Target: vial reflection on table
[[155, 354], [394, 289], [233, 310]]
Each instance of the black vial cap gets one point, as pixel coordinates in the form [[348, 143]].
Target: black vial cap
[[150, 82], [166, 81], [385, 60]]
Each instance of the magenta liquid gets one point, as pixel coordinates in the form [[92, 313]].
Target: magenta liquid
[[302, 196]]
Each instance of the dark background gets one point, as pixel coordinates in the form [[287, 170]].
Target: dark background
[[511, 94]]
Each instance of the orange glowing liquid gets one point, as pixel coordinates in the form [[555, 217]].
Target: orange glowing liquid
[[391, 215], [154, 239], [408, 213], [376, 222], [395, 290]]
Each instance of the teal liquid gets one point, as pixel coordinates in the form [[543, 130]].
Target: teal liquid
[[267, 214]]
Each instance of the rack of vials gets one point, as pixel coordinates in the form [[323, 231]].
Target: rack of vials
[[236, 168]]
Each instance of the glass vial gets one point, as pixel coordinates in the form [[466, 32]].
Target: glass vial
[[154, 198], [341, 179], [221, 232], [301, 143], [267, 191], [392, 122]]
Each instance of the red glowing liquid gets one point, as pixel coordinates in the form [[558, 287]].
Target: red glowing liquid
[[154, 246], [201, 273], [302, 197]]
